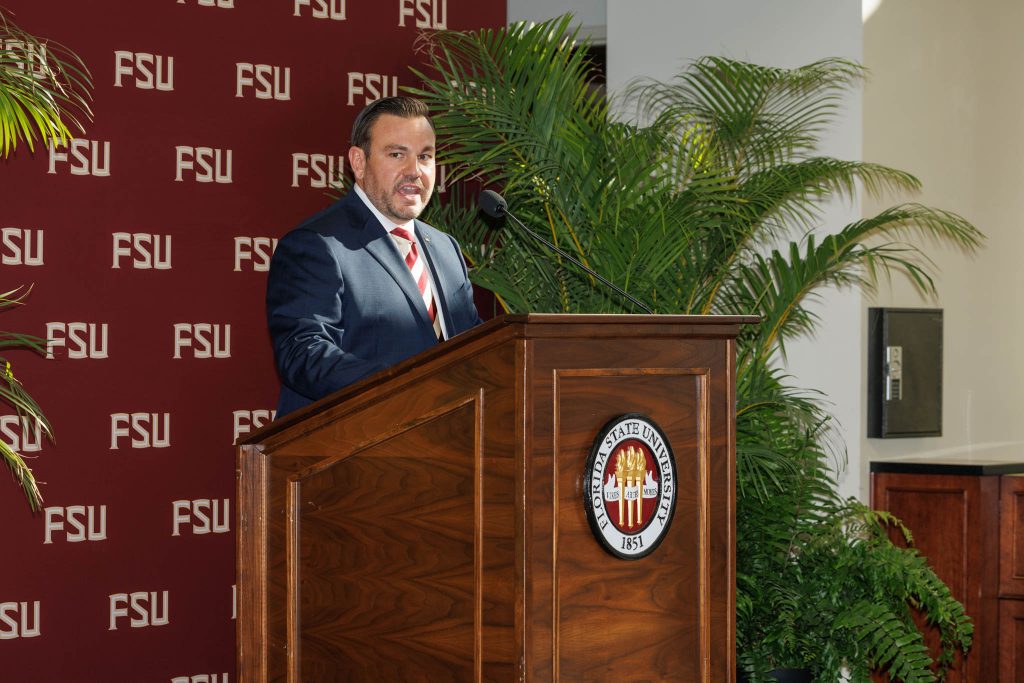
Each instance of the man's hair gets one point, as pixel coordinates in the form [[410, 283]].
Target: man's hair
[[401, 106]]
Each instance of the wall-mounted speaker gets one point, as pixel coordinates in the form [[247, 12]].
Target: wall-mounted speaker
[[904, 372]]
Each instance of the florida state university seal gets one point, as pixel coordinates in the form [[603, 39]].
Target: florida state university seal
[[630, 486]]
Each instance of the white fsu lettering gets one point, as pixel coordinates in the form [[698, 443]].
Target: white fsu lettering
[[427, 13], [321, 169], [86, 158], [373, 86], [204, 515], [150, 68], [223, 4], [82, 340], [147, 430], [148, 251], [267, 82], [16, 433], [258, 250], [248, 420], [322, 9], [31, 58], [202, 678], [20, 247], [210, 165], [85, 523], [16, 621], [145, 609], [207, 340]]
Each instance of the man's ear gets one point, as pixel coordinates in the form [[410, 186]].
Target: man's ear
[[357, 161]]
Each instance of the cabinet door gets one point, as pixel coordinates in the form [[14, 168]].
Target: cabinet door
[[1011, 537], [955, 524], [1011, 641]]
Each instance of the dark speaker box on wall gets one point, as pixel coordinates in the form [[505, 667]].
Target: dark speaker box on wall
[[904, 372]]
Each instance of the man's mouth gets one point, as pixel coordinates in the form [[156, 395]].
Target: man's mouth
[[409, 190]]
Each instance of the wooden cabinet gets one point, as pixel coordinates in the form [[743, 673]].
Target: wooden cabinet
[[968, 520]]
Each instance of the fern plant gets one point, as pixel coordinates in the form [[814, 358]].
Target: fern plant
[[694, 211], [44, 90]]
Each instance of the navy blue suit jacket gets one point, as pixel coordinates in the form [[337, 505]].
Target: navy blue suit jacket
[[342, 304]]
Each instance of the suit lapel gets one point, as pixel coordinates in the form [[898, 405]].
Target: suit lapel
[[380, 245]]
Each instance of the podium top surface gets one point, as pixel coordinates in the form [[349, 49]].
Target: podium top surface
[[530, 326]]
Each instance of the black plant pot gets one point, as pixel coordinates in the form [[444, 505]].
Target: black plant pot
[[783, 676], [791, 675]]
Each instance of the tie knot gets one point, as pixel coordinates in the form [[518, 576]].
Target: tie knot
[[403, 233]]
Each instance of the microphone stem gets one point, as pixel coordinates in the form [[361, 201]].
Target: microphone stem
[[549, 245]]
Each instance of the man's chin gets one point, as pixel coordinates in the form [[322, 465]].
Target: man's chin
[[408, 212]]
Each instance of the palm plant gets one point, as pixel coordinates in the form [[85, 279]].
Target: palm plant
[[44, 88], [693, 210], [12, 393]]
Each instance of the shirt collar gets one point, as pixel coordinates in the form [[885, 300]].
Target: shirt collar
[[387, 223]]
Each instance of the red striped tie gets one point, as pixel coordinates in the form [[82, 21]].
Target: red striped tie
[[419, 273]]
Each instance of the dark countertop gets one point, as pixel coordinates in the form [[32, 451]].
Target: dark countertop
[[973, 468]]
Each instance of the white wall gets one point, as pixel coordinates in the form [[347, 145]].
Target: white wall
[[943, 102], [656, 38], [667, 34]]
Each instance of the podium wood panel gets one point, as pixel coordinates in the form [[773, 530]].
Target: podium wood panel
[[428, 524]]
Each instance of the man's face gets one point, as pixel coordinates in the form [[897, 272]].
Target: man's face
[[398, 173]]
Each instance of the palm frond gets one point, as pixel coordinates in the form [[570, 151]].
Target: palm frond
[[44, 89]]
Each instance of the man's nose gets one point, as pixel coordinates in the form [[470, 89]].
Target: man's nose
[[411, 167]]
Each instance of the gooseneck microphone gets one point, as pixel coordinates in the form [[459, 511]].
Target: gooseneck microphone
[[494, 205]]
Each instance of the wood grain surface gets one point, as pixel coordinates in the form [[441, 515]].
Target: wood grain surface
[[428, 525]]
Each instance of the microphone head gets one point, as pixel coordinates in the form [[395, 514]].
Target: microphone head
[[493, 204]]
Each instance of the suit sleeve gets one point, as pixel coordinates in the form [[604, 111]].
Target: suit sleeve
[[305, 316]]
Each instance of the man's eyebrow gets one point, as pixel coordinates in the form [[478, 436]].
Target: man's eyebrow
[[405, 148]]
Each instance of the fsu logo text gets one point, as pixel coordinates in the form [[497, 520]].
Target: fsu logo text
[[322, 9], [87, 524], [88, 157], [153, 72], [147, 430], [148, 251], [248, 420], [19, 620], [373, 86], [147, 609], [31, 58], [427, 13], [82, 340], [208, 164], [223, 4], [205, 340], [21, 247], [267, 82], [204, 515], [257, 250], [20, 434], [631, 487], [321, 169]]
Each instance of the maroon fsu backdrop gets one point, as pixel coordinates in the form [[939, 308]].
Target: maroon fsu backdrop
[[218, 125]]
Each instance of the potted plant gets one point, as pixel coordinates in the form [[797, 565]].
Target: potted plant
[[694, 211], [44, 88]]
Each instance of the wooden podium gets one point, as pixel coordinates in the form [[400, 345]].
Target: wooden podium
[[428, 523]]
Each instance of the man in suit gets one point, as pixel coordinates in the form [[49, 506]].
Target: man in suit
[[363, 285]]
